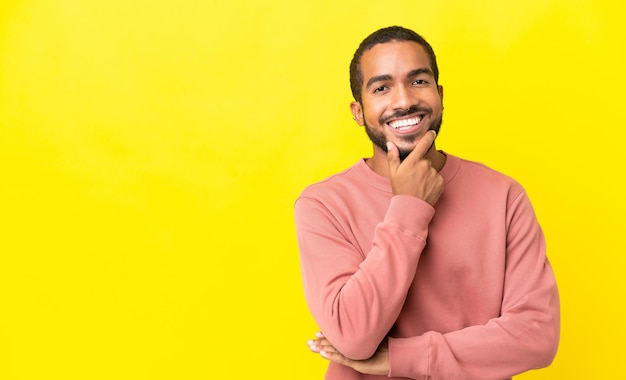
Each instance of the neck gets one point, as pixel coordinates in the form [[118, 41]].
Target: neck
[[379, 164]]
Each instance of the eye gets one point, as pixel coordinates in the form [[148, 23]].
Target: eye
[[380, 89], [419, 82]]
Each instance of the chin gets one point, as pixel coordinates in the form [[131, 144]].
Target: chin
[[404, 154], [405, 150]]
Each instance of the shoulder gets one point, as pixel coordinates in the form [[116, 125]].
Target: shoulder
[[482, 178], [338, 185], [330, 184], [327, 199]]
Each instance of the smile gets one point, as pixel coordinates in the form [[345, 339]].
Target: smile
[[405, 124]]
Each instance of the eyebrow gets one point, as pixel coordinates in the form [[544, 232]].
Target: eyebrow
[[422, 70], [385, 77], [378, 78]]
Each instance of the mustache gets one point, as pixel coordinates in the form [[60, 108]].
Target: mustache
[[403, 113]]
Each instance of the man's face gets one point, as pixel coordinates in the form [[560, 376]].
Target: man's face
[[400, 99]]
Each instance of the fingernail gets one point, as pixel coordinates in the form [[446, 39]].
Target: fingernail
[[435, 132], [324, 353], [319, 335]]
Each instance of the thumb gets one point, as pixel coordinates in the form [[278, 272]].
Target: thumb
[[393, 156]]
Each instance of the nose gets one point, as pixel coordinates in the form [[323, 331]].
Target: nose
[[402, 99]]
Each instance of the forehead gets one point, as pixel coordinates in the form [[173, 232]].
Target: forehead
[[394, 58]]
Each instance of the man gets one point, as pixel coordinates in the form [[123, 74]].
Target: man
[[416, 263]]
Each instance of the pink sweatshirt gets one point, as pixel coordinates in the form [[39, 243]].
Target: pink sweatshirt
[[462, 290]]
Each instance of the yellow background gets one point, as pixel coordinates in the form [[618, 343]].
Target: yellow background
[[151, 151]]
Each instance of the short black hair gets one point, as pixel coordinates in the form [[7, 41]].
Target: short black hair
[[384, 35]]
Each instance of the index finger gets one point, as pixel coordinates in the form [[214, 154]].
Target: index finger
[[423, 145]]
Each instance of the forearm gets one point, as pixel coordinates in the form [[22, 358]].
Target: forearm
[[354, 296], [500, 349]]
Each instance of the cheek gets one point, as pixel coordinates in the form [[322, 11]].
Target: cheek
[[373, 114], [373, 120]]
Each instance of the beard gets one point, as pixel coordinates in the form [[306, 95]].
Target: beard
[[379, 139]]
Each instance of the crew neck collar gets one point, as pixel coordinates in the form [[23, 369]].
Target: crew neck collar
[[449, 170]]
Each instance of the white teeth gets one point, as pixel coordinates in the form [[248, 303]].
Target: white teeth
[[398, 124]]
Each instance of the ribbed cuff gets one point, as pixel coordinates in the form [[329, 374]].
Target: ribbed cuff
[[409, 357], [411, 214]]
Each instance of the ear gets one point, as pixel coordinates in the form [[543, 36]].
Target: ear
[[357, 112], [440, 90]]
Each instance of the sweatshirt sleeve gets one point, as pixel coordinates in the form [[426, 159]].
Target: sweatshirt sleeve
[[524, 337], [355, 297]]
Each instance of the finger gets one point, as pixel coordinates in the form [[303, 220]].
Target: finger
[[393, 156], [319, 343], [324, 342], [325, 345], [336, 357], [423, 145], [313, 346]]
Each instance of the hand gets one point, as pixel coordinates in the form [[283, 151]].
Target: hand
[[378, 364], [415, 175]]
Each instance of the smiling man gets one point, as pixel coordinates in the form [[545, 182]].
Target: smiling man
[[416, 263], [401, 99]]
